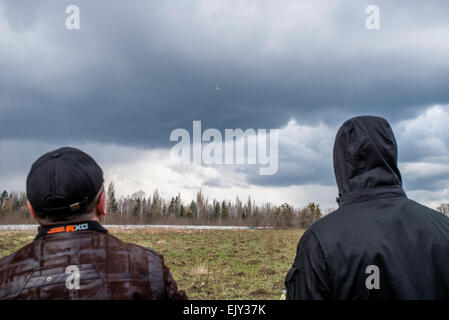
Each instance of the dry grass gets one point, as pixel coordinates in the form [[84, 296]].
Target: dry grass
[[200, 270], [210, 264]]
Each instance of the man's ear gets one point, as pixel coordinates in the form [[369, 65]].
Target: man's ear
[[101, 205], [30, 208]]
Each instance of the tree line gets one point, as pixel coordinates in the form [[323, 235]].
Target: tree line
[[143, 209], [138, 208]]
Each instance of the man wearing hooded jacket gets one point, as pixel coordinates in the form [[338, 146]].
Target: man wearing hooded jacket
[[378, 244]]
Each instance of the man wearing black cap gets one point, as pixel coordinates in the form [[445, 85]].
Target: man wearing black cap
[[73, 256], [378, 244]]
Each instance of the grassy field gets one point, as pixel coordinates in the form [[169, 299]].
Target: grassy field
[[209, 264]]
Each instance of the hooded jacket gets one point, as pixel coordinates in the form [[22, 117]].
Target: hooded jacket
[[378, 244]]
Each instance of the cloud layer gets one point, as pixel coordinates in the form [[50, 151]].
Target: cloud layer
[[135, 71], [305, 165], [132, 69]]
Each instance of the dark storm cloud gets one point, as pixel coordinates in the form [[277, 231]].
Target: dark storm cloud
[[135, 71]]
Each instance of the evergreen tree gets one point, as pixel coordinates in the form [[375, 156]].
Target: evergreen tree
[[112, 204], [138, 207], [136, 201], [193, 209], [224, 210], [182, 211], [217, 210], [3, 199], [178, 204], [172, 206], [249, 207]]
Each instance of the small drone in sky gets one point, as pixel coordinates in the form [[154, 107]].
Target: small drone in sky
[[218, 90]]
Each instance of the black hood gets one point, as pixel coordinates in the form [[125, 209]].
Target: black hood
[[365, 155]]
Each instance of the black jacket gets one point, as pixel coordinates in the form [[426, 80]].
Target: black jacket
[[375, 225]]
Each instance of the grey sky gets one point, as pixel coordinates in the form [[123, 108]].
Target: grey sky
[[137, 70]]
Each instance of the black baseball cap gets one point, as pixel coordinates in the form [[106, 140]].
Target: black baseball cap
[[63, 182]]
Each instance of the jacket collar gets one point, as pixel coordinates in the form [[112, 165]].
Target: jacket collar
[[70, 227], [371, 194]]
